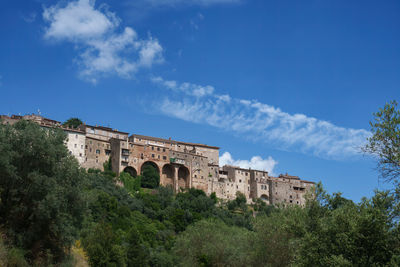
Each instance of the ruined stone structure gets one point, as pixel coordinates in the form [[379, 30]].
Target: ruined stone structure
[[181, 165]]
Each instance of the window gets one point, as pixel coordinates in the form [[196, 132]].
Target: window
[[90, 149], [164, 157], [76, 136], [163, 150], [240, 181], [90, 142], [97, 151], [80, 154], [86, 146], [75, 145], [152, 148], [81, 146], [152, 155], [158, 149], [158, 156]]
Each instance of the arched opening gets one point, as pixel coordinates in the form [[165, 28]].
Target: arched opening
[[151, 163], [150, 175], [264, 198], [183, 177], [168, 173], [132, 171]]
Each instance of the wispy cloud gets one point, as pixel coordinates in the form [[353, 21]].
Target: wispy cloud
[[29, 18], [256, 162], [187, 88], [103, 47], [263, 123]]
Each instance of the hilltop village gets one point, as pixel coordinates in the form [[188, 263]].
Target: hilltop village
[[180, 164]]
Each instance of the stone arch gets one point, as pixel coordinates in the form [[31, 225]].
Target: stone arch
[[264, 197], [183, 177], [151, 163], [132, 171], [168, 174]]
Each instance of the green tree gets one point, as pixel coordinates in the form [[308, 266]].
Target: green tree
[[131, 184], [150, 177], [73, 123], [41, 198], [213, 243], [103, 246], [385, 141]]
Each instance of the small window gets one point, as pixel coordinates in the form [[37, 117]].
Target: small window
[[158, 149], [90, 149], [80, 154], [240, 181], [163, 149], [76, 136], [81, 146], [75, 145], [152, 155], [164, 157], [97, 151], [158, 156], [152, 148]]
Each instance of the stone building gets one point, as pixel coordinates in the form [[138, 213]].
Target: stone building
[[76, 141], [97, 144], [181, 165]]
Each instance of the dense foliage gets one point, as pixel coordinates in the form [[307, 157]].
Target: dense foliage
[[73, 123], [150, 177], [41, 197], [47, 202]]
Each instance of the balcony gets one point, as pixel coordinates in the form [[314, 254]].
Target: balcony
[[125, 152]]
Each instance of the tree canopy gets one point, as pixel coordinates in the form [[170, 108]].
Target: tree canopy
[[41, 199], [385, 141], [73, 123]]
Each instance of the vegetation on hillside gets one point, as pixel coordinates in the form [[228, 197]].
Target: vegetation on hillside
[[52, 212]]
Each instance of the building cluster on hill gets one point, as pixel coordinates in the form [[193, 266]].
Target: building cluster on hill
[[180, 164]]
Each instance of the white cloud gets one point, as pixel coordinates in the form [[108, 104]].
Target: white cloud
[[256, 163], [187, 88], [103, 48], [264, 123]]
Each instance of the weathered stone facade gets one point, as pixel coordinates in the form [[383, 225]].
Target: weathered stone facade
[[181, 165]]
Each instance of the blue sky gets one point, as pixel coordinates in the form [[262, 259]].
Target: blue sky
[[288, 86]]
